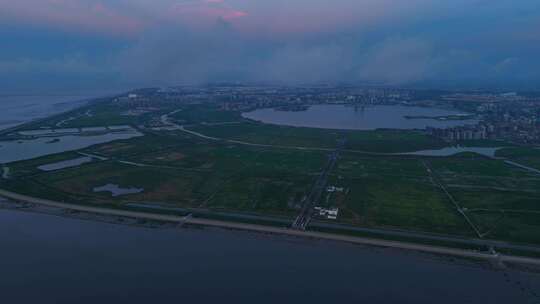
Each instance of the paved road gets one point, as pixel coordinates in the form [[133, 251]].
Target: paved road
[[266, 229], [512, 163], [306, 213]]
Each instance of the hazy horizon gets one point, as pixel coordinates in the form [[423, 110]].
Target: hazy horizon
[[55, 45]]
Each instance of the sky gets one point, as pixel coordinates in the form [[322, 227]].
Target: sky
[[55, 45]]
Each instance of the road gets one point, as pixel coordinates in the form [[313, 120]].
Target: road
[[440, 183], [267, 229], [306, 213], [512, 163]]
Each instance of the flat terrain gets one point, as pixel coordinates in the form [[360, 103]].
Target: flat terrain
[[230, 164]]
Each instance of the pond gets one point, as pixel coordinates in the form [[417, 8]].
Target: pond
[[116, 190], [360, 118], [16, 150], [449, 151]]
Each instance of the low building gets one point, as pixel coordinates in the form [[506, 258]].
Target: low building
[[328, 213]]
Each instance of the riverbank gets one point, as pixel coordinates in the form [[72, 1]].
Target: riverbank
[[189, 220]]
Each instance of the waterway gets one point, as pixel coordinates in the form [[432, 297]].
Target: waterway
[[50, 259], [66, 164], [16, 150], [449, 151], [358, 118]]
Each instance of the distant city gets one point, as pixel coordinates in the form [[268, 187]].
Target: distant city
[[508, 116]]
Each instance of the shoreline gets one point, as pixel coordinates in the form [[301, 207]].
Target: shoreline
[[189, 220], [82, 102]]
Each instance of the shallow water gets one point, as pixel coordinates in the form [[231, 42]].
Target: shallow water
[[49, 259], [65, 164], [15, 110], [116, 190], [358, 118], [449, 151], [16, 150]]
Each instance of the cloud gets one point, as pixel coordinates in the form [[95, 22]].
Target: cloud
[[61, 74], [127, 18], [82, 15], [400, 42], [397, 61]]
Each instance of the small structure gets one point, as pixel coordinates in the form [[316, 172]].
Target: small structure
[[328, 213], [335, 189]]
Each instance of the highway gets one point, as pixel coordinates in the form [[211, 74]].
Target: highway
[[183, 220]]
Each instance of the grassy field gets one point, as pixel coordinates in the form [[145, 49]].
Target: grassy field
[[388, 141], [182, 170], [185, 172], [394, 192], [527, 156]]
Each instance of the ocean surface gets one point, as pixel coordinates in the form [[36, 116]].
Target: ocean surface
[[358, 118], [18, 109], [50, 259]]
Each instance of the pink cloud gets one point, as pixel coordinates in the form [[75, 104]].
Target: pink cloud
[[204, 12], [89, 16], [252, 17]]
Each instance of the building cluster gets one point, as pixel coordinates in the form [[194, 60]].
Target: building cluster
[[505, 116], [473, 132], [486, 97], [517, 130]]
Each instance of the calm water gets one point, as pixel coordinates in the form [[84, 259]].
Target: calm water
[[15, 110], [357, 118], [66, 164], [47, 259], [449, 151], [16, 150], [116, 190]]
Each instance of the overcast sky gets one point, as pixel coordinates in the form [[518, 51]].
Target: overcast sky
[[54, 45]]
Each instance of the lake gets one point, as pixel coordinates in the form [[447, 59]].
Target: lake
[[358, 118], [16, 150], [50, 259]]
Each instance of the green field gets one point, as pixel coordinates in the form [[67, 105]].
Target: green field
[[379, 190], [528, 156], [379, 141]]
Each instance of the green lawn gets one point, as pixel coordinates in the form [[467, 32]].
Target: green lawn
[[400, 203], [388, 141]]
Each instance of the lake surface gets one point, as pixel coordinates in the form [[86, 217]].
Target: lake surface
[[48, 259], [449, 151], [358, 118], [16, 150]]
